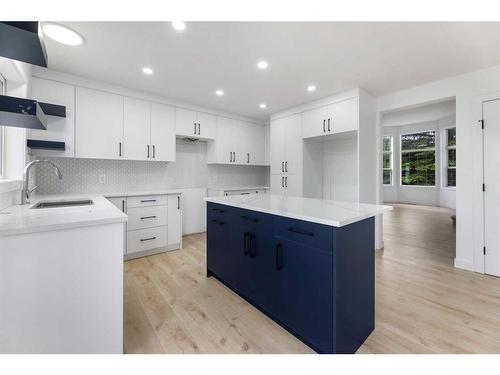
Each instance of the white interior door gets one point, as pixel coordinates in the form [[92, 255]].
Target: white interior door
[[491, 157]]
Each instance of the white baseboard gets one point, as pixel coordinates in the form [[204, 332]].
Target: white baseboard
[[464, 264], [379, 245]]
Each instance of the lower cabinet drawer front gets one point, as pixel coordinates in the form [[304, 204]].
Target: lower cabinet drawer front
[[146, 217], [317, 236], [219, 213], [146, 200], [146, 239]]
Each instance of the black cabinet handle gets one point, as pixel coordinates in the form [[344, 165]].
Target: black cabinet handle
[[324, 129], [279, 257], [120, 149], [298, 231], [282, 181], [179, 203], [148, 217], [154, 151], [195, 128], [282, 166], [250, 218], [286, 165], [251, 246], [248, 157], [148, 200], [328, 124], [245, 193], [123, 205], [217, 222], [199, 129], [286, 181], [218, 210], [246, 240], [148, 239]]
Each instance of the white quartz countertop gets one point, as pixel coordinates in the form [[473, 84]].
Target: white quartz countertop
[[235, 188], [138, 193], [21, 219], [321, 211]]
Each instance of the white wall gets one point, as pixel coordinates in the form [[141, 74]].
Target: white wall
[[437, 195], [467, 90]]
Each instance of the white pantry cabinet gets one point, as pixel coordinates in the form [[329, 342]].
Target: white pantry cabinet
[[286, 145], [136, 129], [237, 142], [194, 124], [61, 129], [162, 132], [335, 118], [99, 124]]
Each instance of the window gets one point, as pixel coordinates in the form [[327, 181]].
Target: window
[[2, 92], [387, 160], [418, 159], [451, 157]]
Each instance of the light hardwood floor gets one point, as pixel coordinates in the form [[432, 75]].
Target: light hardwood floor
[[423, 303]]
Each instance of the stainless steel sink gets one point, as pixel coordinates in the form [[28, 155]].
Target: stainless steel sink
[[64, 203]]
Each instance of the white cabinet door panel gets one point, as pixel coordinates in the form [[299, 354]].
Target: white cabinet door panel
[[277, 146], [174, 225], [185, 122], [293, 144], [162, 132], [293, 185], [344, 116], [206, 125], [277, 184], [99, 124], [146, 217], [314, 122], [136, 129], [146, 239], [240, 142], [224, 141]]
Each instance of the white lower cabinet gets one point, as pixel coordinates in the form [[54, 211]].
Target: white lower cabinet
[[154, 223], [286, 184]]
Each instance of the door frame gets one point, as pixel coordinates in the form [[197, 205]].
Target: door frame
[[478, 196]]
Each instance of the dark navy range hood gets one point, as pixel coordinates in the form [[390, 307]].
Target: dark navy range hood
[[23, 41]]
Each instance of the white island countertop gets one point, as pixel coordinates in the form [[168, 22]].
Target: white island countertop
[[321, 211], [22, 219]]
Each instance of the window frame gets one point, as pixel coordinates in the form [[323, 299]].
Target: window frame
[[444, 166], [3, 89], [436, 166], [391, 152]]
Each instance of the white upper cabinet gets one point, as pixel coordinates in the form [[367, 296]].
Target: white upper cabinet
[[314, 122], [59, 129], [194, 124], [343, 116], [162, 132], [286, 145], [221, 150], [99, 124], [335, 118], [136, 129], [277, 147]]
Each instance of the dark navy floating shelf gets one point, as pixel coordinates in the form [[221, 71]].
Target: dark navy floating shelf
[[46, 145], [53, 109], [23, 41]]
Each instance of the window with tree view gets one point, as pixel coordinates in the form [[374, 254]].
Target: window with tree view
[[387, 160], [418, 159], [451, 157]]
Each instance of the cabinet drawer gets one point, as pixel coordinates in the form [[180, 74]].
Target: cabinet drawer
[[254, 220], [316, 236], [146, 217], [219, 212], [147, 200], [146, 239]]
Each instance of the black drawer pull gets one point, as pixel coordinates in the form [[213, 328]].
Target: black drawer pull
[[250, 219], [279, 257], [251, 246], [217, 222], [298, 231], [148, 200], [245, 193], [246, 243], [148, 239], [218, 210], [148, 217]]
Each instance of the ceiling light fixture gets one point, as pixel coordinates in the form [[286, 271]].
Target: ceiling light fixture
[[147, 70], [179, 25], [311, 88], [219, 93], [262, 105], [62, 34], [262, 65]]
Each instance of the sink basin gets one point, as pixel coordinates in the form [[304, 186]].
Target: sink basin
[[65, 203]]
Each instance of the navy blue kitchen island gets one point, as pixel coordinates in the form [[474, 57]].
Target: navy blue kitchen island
[[308, 264]]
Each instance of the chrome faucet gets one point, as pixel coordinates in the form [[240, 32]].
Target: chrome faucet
[[25, 199]]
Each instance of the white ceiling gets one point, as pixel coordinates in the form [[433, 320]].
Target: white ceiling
[[189, 66]]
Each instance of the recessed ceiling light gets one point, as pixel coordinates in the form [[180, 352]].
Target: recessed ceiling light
[[62, 34], [262, 105], [147, 70], [262, 65], [311, 88], [219, 93], [179, 25]]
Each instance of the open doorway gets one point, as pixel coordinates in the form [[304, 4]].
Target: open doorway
[[419, 180]]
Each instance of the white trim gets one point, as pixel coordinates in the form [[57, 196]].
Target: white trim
[[465, 265], [391, 152], [3, 82]]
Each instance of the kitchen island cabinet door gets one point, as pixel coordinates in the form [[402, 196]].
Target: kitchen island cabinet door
[[304, 300]]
